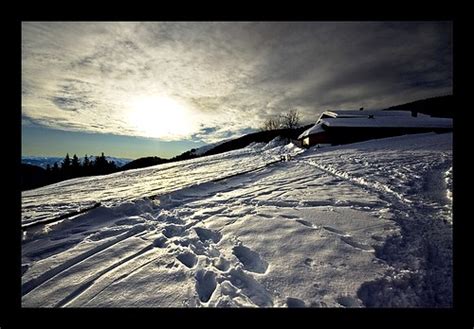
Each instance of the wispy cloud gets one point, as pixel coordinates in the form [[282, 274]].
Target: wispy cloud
[[229, 76]]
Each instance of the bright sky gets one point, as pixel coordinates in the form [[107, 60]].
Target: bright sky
[[139, 89]]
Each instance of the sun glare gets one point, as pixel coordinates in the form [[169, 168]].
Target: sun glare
[[159, 117]]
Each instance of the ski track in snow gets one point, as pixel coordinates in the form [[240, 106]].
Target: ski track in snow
[[317, 231]]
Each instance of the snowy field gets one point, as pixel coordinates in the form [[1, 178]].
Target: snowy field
[[365, 224]]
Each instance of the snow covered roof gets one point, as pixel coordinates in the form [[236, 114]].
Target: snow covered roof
[[358, 114], [317, 128], [389, 122], [376, 119]]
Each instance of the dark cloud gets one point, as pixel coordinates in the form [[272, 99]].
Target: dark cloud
[[231, 76], [67, 104]]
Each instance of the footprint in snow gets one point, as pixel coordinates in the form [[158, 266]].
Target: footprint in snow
[[250, 259], [206, 234], [221, 264], [348, 301], [188, 259], [160, 242], [294, 302], [250, 288], [205, 284], [172, 230]]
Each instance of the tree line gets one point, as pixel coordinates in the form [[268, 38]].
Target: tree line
[[73, 167]]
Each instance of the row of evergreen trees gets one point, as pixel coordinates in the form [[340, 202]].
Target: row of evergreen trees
[[71, 168]]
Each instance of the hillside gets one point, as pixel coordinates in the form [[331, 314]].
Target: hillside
[[258, 137], [143, 162], [31, 176], [361, 225], [442, 106], [220, 147]]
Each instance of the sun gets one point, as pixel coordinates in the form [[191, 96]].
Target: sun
[[159, 117]]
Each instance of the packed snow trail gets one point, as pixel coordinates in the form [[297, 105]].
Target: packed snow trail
[[366, 224], [421, 202]]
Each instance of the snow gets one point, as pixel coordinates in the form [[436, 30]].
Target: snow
[[317, 128], [364, 224], [71, 195], [389, 122], [377, 119]]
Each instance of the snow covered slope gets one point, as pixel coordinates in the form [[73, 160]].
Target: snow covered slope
[[75, 194], [366, 224]]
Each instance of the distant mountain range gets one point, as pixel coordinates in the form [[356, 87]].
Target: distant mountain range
[[44, 161]]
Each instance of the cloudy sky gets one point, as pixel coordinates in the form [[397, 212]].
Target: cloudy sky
[[172, 86]]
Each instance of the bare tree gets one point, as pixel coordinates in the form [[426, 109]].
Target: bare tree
[[271, 124], [291, 119]]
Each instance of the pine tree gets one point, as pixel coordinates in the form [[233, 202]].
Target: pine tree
[[100, 164], [75, 161], [75, 166], [86, 164], [92, 165], [66, 162], [66, 167]]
